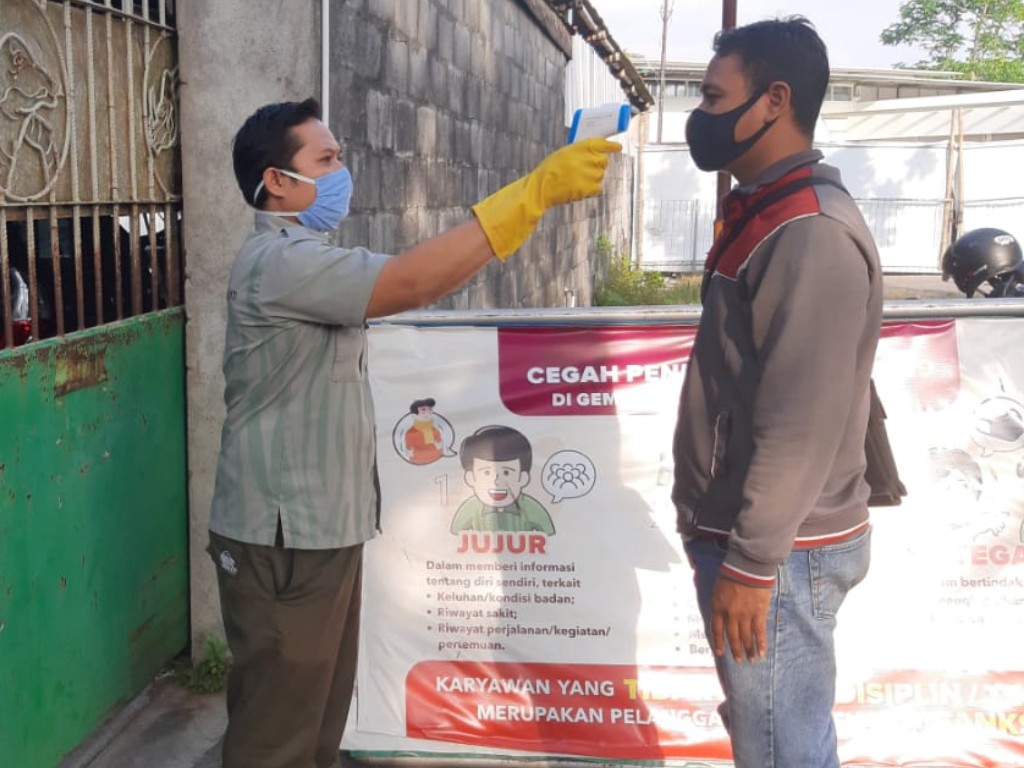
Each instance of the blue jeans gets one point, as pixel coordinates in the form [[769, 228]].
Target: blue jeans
[[778, 711]]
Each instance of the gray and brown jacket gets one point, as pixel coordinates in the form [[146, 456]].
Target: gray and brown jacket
[[769, 444]]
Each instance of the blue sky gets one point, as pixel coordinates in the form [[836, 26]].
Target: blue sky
[[850, 28]]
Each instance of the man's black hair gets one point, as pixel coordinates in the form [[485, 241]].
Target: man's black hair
[[265, 140], [787, 50], [496, 443]]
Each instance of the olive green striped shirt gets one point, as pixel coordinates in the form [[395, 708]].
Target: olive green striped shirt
[[298, 440]]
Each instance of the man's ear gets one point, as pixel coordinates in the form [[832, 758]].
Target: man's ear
[[780, 99], [468, 477], [524, 478], [273, 182]]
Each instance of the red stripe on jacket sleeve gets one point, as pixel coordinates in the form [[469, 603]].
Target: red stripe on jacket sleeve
[[743, 577]]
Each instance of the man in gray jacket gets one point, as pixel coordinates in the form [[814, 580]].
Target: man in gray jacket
[[769, 444]]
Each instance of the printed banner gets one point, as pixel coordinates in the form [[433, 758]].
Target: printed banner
[[529, 594]]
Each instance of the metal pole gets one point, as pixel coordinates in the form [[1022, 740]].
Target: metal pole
[[666, 13], [638, 184], [728, 14], [325, 62], [724, 179]]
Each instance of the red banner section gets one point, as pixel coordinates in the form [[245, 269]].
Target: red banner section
[[589, 371], [928, 352], [594, 371], [651, 713], [594, 710], [959, 721]]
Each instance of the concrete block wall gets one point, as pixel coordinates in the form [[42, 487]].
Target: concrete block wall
[[441, 103]]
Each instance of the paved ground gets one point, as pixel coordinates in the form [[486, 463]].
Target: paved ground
[[165, 726]]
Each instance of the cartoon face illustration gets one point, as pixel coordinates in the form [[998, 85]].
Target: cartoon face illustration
[[497, 483], [496, 461]]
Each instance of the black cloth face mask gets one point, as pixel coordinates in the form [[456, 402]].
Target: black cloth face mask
[[710, 137]]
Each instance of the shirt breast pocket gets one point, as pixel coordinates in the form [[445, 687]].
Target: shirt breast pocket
[[349, 354]]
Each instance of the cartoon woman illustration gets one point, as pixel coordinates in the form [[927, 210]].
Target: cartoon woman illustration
[[423, 439]]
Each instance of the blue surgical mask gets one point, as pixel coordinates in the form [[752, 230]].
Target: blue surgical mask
[[333, 194]]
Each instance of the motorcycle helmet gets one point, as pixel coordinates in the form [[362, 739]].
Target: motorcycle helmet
[[1010, 285], [981, 257]]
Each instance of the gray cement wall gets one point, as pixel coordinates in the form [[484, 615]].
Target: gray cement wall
[[440, 102]]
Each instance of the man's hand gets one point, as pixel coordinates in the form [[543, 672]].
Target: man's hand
[[740, 613]]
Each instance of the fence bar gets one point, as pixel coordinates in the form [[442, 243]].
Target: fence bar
[[6, 313], [136, 260], [118, 269], [170, 254], [132, 117], [94, 166], [115, 181], [97, 266], [76, 222], [129, 14], [58, 278], [154, 264], [33, 280], [69, 57]]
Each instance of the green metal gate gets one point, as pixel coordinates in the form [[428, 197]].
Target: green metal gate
[[93, 501]]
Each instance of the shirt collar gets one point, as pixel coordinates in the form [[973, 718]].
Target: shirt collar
[[267, 221], [511, 509]]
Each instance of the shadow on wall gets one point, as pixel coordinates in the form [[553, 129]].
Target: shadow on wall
[[679, 212]]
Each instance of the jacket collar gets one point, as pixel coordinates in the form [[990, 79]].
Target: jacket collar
[[780, 168], [740, 199]]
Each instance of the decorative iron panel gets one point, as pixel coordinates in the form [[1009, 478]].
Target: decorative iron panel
[[90, 179]]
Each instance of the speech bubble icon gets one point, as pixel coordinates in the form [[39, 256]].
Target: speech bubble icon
[[999, 424], [568, 475]]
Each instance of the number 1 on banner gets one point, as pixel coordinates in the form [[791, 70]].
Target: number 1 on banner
[[442, 482]]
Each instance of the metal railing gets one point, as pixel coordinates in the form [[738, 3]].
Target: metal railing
[[1005, 214], [678, 233], [908, 233], [90, 203], [911, 235]]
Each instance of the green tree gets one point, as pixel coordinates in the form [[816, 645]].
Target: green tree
[[981, 39]]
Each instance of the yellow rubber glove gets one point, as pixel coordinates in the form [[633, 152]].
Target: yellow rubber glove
[[568, 174]]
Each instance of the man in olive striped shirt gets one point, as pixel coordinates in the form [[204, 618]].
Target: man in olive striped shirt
[[296, 491]]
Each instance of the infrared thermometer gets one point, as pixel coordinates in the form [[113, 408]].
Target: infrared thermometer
[[599, 122]]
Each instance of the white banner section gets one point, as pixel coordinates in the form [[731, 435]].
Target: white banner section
[[529, 594]]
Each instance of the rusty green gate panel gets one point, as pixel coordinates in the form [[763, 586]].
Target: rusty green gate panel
[[93, 528]]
